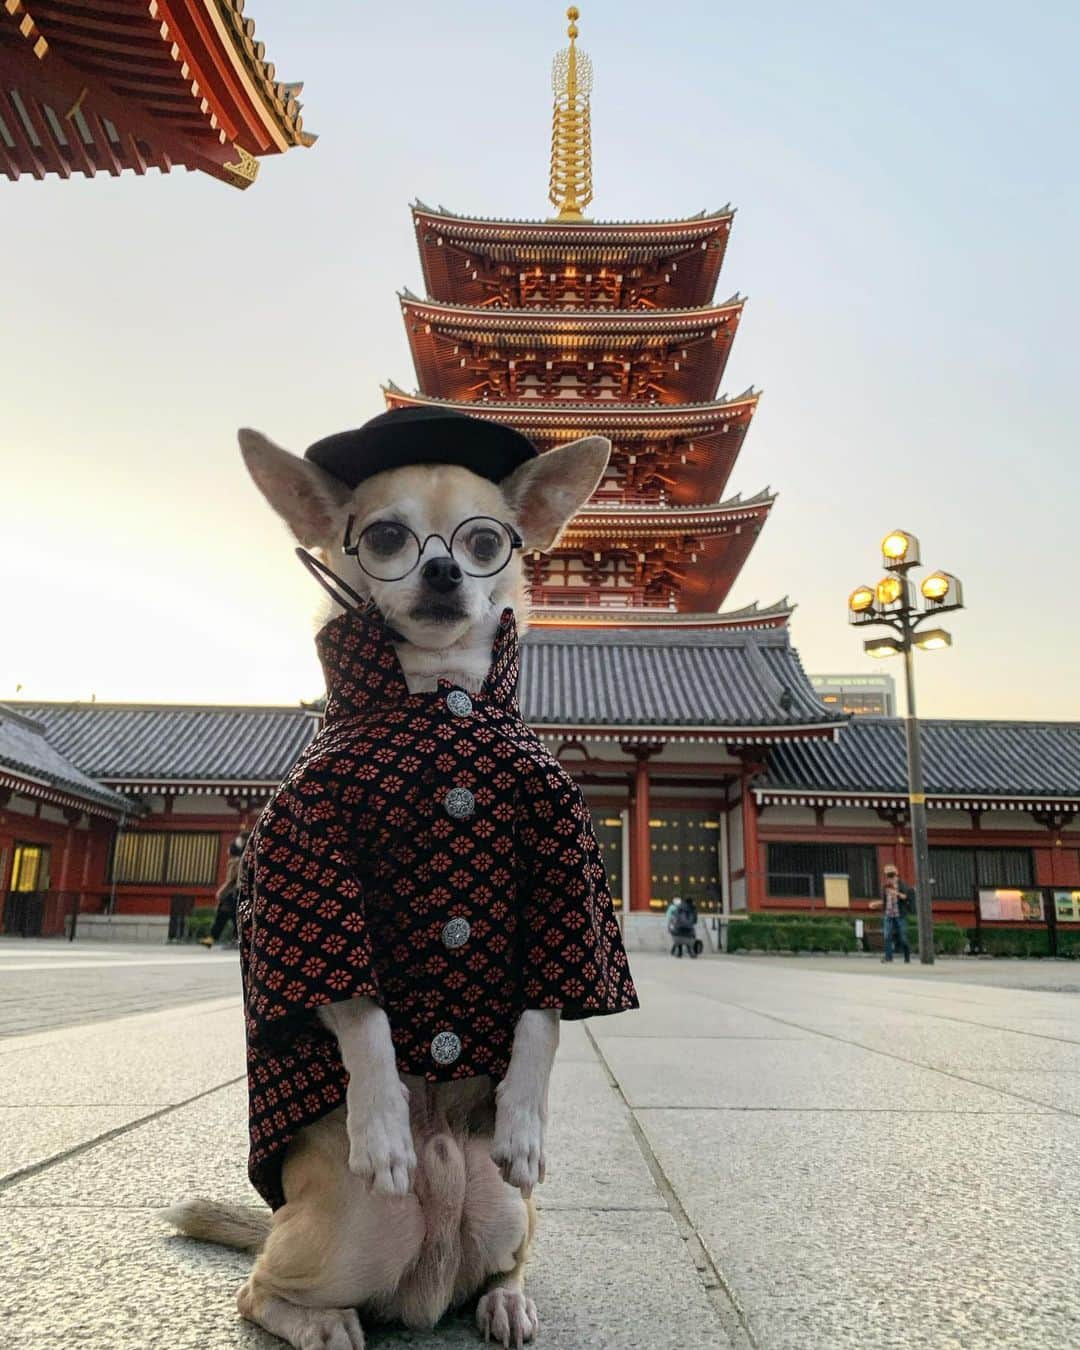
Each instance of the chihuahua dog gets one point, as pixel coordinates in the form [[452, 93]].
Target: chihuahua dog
[[413, 1197]]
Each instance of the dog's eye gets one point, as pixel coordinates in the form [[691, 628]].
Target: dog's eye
[[484, 544], [385, 538]]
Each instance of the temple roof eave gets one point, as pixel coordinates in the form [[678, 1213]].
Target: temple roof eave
[[687, 417], [702, 224], [628, 521], [531, 320], [749, 617]]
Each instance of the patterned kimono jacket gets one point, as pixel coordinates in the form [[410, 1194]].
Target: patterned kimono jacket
[[428, 852]]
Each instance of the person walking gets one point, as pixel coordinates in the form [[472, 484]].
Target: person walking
[[682, 925], [226, 895], [898, 901]]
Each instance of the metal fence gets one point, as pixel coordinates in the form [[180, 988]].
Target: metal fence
[[38, 913]]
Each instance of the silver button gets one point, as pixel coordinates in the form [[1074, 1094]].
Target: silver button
[[445, 1048], [456, 933], [459, 803], [459, 703]]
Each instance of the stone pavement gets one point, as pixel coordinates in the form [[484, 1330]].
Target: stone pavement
[[772, 1153], [54, 983]]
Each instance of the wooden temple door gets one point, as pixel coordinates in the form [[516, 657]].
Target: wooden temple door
[[24, 910]]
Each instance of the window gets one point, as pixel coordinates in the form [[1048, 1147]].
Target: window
[[795, 870], [30, 868], [165, 857], [957, 872]]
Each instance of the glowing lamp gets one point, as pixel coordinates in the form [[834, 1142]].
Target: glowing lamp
[[942, 588], [900, 549], [861, 599], [882, 647], [889, 590], [932, 639]]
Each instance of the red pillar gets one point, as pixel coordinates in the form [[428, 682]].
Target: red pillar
[[752, 860], [640, 851]]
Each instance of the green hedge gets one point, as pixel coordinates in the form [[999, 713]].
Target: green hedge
[[949, 939], [1030, 942], [198, 924], [796, 933], [792, 934]]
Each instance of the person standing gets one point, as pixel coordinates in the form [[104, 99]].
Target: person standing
[[226, 895], [898, 900]]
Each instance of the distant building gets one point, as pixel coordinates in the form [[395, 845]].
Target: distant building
[[874, 695]]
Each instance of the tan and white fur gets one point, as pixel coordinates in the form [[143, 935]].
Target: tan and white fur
[[414, 1197]]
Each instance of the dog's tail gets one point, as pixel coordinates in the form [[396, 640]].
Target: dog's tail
[[243, 1226]]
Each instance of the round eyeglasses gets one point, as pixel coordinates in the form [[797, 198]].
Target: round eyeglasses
[[389, 550]]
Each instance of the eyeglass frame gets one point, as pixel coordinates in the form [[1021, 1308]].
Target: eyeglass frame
[[353, 549]]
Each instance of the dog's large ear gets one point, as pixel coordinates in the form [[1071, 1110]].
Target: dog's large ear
[[545, 493], [308, 500]]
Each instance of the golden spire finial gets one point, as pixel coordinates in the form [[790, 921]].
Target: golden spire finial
[[570, 189]]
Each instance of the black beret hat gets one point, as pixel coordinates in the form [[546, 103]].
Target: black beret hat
[[421, 435]]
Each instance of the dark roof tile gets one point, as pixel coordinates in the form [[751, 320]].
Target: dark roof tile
[[961, 758]]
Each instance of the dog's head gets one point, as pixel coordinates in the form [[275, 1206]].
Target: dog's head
[[406, 518]]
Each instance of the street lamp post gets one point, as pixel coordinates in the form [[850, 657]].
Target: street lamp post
[[892, 602]]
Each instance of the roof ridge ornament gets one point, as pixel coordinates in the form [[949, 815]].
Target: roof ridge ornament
[[570, 185]]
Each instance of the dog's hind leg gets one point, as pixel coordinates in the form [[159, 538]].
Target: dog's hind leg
[[505, 1313], [303, 1328], [497, 1232]]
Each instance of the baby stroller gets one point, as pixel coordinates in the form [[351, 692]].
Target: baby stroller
[[682, 926]]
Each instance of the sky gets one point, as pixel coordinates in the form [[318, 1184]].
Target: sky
[[908, 211]]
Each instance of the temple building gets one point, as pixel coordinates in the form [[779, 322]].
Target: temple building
[[712, 765], [130, 85]]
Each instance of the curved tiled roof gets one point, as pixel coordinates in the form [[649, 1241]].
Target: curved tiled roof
[[27, 754], [708, 680], [135, 742], [962, 759]]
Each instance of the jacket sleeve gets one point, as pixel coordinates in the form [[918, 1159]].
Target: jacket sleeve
[[573, 952], [304, 939]]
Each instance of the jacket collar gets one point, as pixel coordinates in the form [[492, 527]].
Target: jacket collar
[[362, 670]]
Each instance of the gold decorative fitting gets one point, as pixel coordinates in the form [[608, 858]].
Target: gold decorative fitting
[[245, 171], [570, 186]]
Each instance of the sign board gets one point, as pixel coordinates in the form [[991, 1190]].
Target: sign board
[[837, 893], [1067, 906], [1005, 904]]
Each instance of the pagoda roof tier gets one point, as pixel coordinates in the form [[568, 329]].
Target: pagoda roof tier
[[470, 260], [465, 353], [632, 522], [751, 616], [687, 450], [127, 85], [683, 559]]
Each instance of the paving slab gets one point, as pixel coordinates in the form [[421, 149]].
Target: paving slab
[[30, 1135], [787, 1075], [107, 1279], [151, 1062], [593, 1159], [855, 1230], [200, 1149], [670, 1012]]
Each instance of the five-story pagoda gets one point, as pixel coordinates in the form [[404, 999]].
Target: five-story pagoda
[[569, 327]]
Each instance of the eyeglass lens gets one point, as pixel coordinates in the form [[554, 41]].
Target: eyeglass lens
[[389, 550]]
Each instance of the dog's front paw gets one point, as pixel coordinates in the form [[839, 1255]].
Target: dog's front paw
[[518, 1146], [508, 1317], [380, 1142]]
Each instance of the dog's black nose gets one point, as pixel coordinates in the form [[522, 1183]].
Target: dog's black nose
[[441, 574]]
